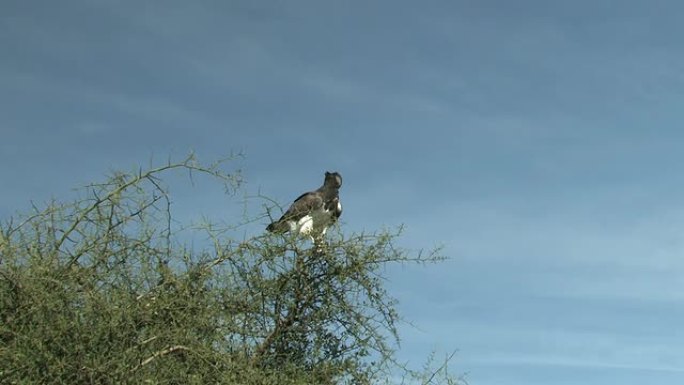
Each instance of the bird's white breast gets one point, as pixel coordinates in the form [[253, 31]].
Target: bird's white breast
[[315, 221]]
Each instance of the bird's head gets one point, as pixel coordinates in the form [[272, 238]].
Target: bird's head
[[333, 179]]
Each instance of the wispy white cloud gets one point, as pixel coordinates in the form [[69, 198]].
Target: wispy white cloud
[[152, 106], [541, 345]]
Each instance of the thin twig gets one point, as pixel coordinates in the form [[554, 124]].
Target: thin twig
[[160, 353], [446, 362]]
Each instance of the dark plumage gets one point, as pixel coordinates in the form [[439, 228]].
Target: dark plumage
[[313, 212]]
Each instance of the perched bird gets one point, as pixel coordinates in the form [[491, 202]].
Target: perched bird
[[313, 212]]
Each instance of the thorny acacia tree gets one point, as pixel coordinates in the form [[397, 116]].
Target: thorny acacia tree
[[101, 291]]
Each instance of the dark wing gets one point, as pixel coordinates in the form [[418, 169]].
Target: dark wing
[[303, 205]]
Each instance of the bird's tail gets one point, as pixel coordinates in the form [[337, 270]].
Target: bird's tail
[[277, 227]]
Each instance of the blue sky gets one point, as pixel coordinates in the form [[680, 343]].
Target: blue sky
[[538, 141]]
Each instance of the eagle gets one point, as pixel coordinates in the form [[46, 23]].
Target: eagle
[[314, 211]]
